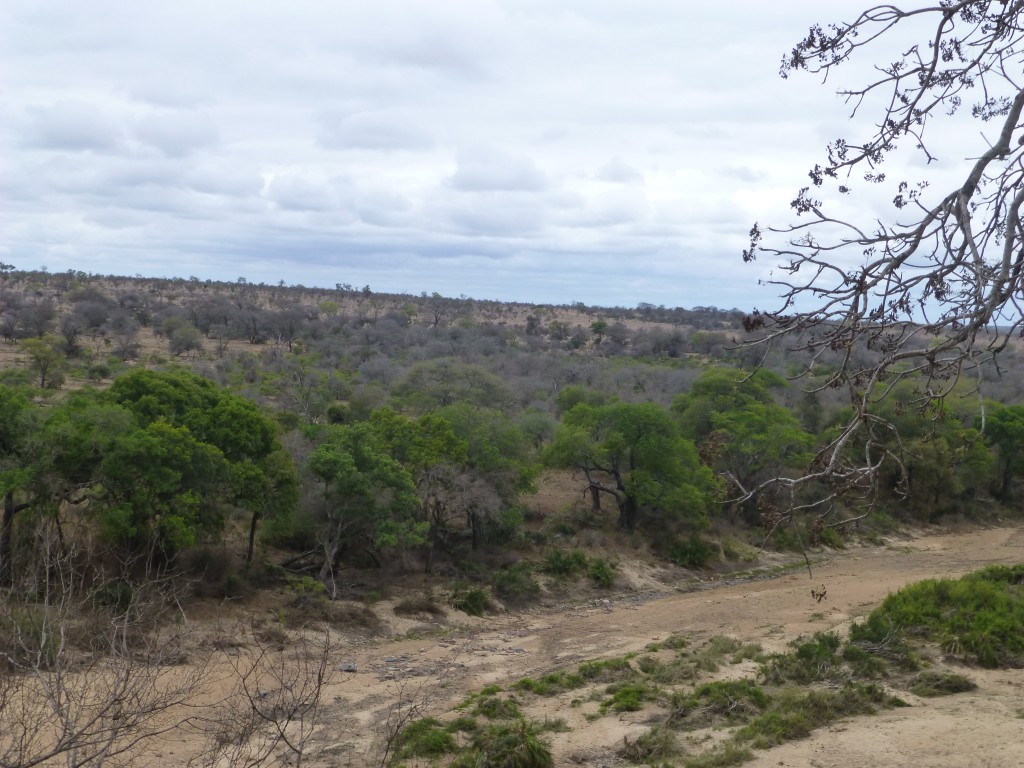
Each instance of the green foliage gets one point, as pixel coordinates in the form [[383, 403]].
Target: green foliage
[[694, 552], [550, 684], [628, 697], [562, 563], [512, 744], [606, 670], [979, 617], [471, 600], [812, 661], [425, 737], [495, 707], [723, 700], [601, 572], [638, 448], [659, 743], [516, 583], [794, 714], [932, 683]]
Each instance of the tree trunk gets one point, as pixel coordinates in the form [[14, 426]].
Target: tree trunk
[[252, 537], [628, 509], [6, 529]]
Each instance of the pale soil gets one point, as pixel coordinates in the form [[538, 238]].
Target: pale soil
[[460, 655]]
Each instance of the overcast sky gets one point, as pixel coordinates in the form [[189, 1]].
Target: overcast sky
[[611, 152]]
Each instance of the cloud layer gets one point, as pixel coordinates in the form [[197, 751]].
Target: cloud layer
[[607, 152]]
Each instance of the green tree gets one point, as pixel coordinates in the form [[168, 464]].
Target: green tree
[[1004, 430], [635, 454], [446, 381], [500, 465], [432, 454], [159, 489], [18, 418], [261, 477], [371, 498], [46, 360], [743, 434]]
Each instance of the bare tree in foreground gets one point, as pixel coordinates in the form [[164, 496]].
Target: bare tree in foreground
[[274, 707], [88, 677], [935, 290]]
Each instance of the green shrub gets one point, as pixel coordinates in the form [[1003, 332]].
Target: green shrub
[[812, 660], [659, 743], [793, 714], [516, 583], [606, 670], [979, 617], [696, 552], [550, 684], [561, 563], [512, 744], [728, 700], [933, 683], [425, 737], [496, 708], [723, 755], [602, 572], [627, 697], [471, 600]]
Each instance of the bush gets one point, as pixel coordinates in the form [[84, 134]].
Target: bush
[[813, 660], [561, 563], [657, 744], [728, 700], [979, 617], [425, 737], [471, 600], [934, 683], [602, 572], [516, 583], [695, 552], [514, 744]]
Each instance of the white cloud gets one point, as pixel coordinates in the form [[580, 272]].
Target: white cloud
[[588, 149]]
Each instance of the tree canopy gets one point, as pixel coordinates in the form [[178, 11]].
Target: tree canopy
[[932, 289]]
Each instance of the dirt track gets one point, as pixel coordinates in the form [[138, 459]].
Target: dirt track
[[982, 728]]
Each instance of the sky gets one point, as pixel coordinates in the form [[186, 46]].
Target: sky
[[549, 151]]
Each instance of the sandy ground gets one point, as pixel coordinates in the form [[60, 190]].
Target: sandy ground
[[981, 728]]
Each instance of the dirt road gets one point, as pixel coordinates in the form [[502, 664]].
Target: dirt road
[[981, 728]]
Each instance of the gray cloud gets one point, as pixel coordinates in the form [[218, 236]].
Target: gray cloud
[[176, 133], [588, 149], [378, 130], [74, 126], [487, 170]]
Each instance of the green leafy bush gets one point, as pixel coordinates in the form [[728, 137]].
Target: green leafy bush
[[516, 583], [511, 744], [471, 600], [934, 683], [695, 552], [978, 617], [602, 572], [425, 737], [561, 563]]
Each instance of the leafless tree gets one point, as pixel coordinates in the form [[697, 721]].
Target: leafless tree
[[274, 708], [89, 676], [934, 289]]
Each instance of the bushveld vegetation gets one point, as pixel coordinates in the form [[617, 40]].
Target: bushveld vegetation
[[305, 432], [341, 428]]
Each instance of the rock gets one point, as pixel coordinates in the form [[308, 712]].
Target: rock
[[348, 666]]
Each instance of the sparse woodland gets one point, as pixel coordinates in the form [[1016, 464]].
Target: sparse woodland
[[166, 441]]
